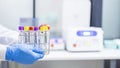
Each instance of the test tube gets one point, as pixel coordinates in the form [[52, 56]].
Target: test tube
[[47, 43], [27, 34], [41, 38], [36, 44], [44, 38], [31, 35], [47, 39], [21, 38]]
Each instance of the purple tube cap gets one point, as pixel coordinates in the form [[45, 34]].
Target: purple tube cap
[[21, 28], [35, 28]]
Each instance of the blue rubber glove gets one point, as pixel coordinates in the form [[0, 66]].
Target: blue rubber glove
[[24, 54]]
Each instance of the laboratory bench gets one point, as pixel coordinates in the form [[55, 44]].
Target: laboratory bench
[[107, 54], [66, 55]]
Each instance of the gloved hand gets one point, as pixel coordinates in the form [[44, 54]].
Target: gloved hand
[[24, 54]]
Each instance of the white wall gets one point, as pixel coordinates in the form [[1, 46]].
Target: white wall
[[12, 10]]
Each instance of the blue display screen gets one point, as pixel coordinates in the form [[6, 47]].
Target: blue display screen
[[86, 33]]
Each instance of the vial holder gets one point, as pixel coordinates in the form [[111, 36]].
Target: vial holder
[[35, 36]]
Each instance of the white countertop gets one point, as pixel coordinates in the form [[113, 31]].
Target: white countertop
[[65, 55]]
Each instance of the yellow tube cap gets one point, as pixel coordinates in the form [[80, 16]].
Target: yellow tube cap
[[26, 28], [44, 27]]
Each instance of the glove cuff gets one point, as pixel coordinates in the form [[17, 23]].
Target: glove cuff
[[2, 52], [8, 55]]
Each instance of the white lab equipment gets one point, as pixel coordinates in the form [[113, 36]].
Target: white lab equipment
[[76, 13], [57, 44], [84, 39]]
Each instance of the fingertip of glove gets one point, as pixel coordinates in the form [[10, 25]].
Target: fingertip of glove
[[40, 56], [38, 50]]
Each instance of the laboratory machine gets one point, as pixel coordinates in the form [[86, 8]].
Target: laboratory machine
[[35, 36], [84, 39], [76, 13]]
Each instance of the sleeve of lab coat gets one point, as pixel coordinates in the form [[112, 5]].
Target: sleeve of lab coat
[[2, 51], [8, 36]]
